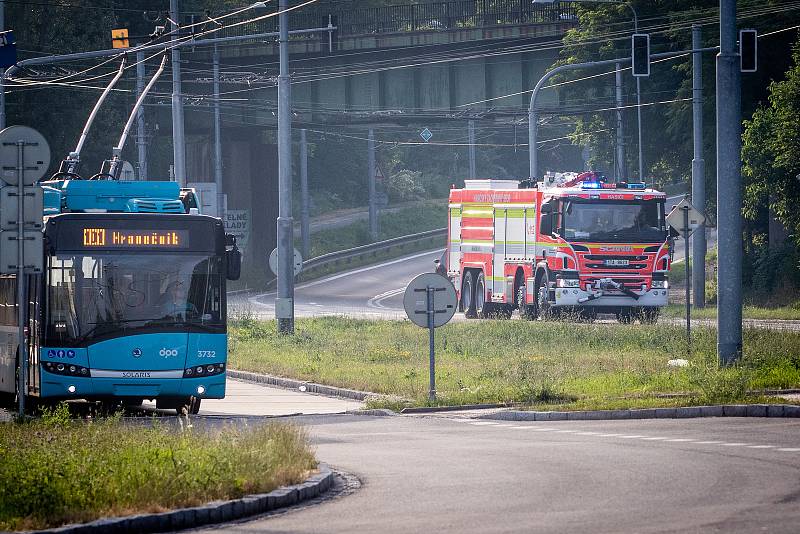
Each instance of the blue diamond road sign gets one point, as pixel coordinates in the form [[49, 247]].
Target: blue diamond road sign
[[426, 135]]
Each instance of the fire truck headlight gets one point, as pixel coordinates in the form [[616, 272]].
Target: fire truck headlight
[[569, 282], [660, 284]]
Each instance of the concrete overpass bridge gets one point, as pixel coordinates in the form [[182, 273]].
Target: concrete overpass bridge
[[422, 64]]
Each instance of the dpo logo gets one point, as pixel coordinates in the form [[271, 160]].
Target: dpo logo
[[137, 353], [168, 353]]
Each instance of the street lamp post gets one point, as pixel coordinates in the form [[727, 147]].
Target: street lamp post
[[638, 86]]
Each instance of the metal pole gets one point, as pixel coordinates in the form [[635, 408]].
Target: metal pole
[[698, 174], [471, 131], [178, 141], [217, 136], [284, 303], [373, 208], [432, 360], [638, 101], [620, 168], [141, 142], [305, 230], [688, 281], [23, 348], [729, 189], [2, 71]]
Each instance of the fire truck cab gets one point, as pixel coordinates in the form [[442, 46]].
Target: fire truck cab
[[572, 242]]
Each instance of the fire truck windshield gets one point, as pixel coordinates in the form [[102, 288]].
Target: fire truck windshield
[[613, 221]]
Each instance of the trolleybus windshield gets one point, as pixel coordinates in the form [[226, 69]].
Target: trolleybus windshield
[[94, 296], [613, 221]]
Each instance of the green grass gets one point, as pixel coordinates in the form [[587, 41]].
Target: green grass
[[425, 216], [54, 471], [788, 312], [556, 363]]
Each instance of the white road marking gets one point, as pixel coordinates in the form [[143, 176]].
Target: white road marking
[[632, 437], [484, 423], [707, 442], [655, 438], [761, 446], [377, 300], [735, 445], [789, 449], [680, 440]]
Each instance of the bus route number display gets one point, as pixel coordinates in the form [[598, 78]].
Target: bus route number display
[[141, 239]]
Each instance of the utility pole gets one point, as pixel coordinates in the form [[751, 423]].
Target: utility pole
[[471, 130], [304, 223], [620, 167], [141, 137], [178, 141], [284, 303], [217, 136], [373, 207], [698, 172], [729, 189]]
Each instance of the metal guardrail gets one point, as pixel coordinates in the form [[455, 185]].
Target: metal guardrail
[[323, 264], [348, 256]]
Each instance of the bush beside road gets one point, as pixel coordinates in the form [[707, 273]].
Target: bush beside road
[[541, 364], [55, 471]]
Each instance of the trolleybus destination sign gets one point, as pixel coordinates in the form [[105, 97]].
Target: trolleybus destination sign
[[119, 238]]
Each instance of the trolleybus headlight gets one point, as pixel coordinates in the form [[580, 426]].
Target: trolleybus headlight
[[84, 371], [72, 369], [189, 371], [71, 389], [660, 284], [199, 369], [201, 390], [210, 368]]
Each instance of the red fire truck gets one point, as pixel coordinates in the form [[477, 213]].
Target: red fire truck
[[570, 243]]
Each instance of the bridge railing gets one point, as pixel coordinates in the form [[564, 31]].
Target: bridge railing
[[428, 16]]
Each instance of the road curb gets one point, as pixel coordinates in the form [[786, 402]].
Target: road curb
[[725, 410], [208, 514], [309, 387]]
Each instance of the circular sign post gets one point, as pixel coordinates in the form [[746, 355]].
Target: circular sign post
[[430, 302], [297, 262], [35, 155]]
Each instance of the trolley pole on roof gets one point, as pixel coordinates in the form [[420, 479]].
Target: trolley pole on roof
[[284, 303], [178, 141]]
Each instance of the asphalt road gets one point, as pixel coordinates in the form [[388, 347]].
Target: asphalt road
[[435, 474]]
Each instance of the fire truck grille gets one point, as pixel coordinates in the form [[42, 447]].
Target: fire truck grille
[[604, 257], [615, 263], [630, 283]]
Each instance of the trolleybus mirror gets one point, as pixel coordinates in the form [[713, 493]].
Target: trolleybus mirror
[[234, 263]]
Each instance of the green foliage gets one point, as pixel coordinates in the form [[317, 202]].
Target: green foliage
[[55, 471], [770, 145], [514, 361]]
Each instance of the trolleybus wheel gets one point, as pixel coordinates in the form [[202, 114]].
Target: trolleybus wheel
[[542, 302], [191, 406], [468, 295]]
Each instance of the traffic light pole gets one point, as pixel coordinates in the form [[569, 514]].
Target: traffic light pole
[[533, 112]]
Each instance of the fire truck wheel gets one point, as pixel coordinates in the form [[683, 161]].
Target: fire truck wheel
[[526, 311], [542, 301], [649, 315], [468, 295], [625, 316], [482, 308]]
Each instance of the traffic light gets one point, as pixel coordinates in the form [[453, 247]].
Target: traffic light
[[640, 54], [748, 50]]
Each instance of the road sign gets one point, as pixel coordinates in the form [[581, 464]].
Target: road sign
[[676, 218], [379, 177], [33, 207], [36, 154], [8, 49], [297, 263], [119, 38], [9, 246], [426, 135], [415, 300], [430, 302]]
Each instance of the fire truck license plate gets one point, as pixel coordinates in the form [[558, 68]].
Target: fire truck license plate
[[616, 262]]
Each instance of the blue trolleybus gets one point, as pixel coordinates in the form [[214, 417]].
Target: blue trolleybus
[[131, 302]]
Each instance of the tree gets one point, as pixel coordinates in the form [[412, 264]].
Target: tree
[[770, 148]]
